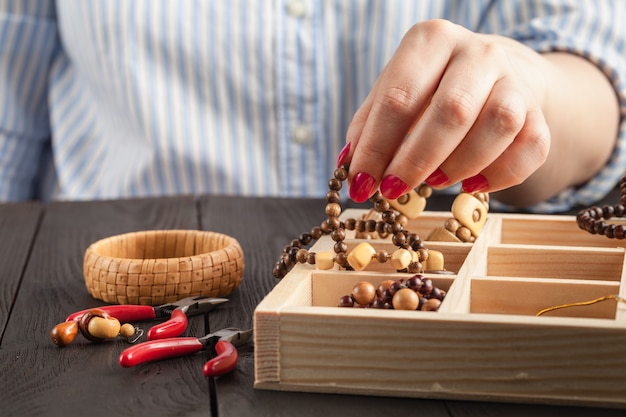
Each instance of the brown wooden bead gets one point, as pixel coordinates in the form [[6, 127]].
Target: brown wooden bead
[[377, 196], [316, 232], [381, 205], [334, 223], [333, 209], [334, 184], [389, 216], [64, 333], [452, 224], [415, 267], [364, 292], [403, 199], [425, 191], [463, 233], [382, 256], [341, 173], [301, 255], [305, 238], [380, 290], [296, 243], [333, 196], [431, 304], [338, 235], [340, 247], [350, 224], [399, 239], [342, 259], [310, 259], [405, 299]]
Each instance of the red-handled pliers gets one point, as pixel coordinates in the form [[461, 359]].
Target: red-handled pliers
[[176, 314], [224, 342]]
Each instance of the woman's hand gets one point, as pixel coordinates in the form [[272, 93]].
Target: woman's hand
[[450, 106]]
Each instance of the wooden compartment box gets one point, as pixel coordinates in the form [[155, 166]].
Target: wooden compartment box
[[485, 342]]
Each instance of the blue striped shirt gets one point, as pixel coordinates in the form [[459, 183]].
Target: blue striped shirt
[[113, 98]]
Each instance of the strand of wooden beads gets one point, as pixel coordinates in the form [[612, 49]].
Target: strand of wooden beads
[[391, 223], [593, 218], [414, 293]]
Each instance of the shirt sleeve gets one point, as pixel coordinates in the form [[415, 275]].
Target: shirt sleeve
[[595, 31], [28, 38]]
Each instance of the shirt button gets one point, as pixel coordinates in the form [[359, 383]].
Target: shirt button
[[301, 134], [296, 8]]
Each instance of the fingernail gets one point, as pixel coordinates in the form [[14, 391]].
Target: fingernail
[[343, 154], [437, 178], [475, 184], [362, 187], [393, 187]]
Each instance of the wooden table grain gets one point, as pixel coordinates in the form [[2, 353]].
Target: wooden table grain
[[41, 273]]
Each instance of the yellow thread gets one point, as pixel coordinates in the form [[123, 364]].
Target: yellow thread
[[583, 303]]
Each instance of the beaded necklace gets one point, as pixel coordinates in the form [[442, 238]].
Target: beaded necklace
[[412, 251], [592, 219]]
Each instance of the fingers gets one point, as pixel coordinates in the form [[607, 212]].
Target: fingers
[[500, 121], [397, 100], [447, 108], [456, 106], [522, 157]]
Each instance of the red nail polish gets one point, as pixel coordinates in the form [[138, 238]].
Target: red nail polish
[[437, 178], [362, 187], [393, 187], [475, 184], [343, 154]]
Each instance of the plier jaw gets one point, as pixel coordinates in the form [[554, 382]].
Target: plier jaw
[[191, 306]]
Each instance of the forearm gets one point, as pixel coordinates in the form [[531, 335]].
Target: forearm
[[582, 112]]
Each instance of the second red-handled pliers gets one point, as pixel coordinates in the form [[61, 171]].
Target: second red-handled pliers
[[224, 342], [176, 314]]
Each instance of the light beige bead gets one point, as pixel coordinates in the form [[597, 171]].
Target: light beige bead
[[361, 256], [412, 207], [400, 259], [103, 328], [324, 260], [127, 330], [435, 261], [470, 212]]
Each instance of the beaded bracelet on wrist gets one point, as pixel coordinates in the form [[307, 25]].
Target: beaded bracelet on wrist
[[593, 218]]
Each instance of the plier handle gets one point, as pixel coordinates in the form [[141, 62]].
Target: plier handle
[[224, 342], [176, 313]]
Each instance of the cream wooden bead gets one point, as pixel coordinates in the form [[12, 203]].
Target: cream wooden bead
[[411, 205], [104, 328], [361, 256], [470, 212], [400, 259], [435, 261], [324, 260]]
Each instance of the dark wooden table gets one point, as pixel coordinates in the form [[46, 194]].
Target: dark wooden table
[[41, 257]]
